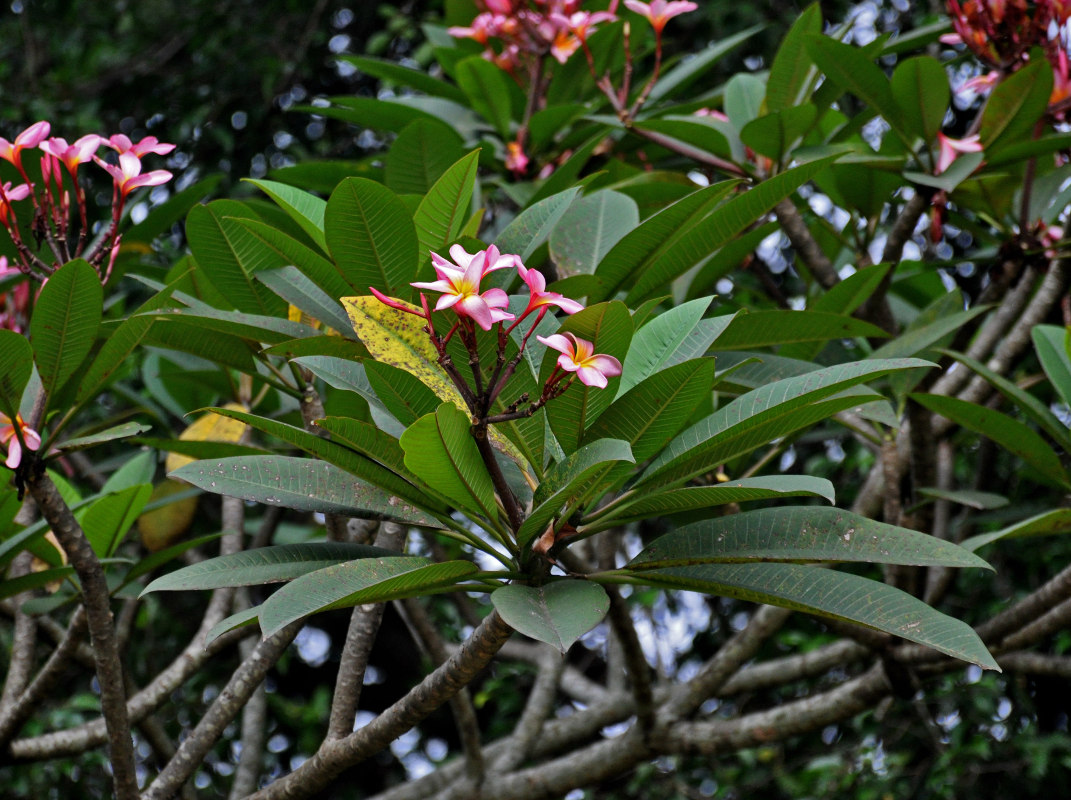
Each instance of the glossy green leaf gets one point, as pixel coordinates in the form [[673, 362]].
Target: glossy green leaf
[[792, 70], [293, 253], [800, 534], [570, 481], [354, 583], [123, 431], [832, 594], [982, 501], [423, 151], [10, 587], [371, 236], [721, 225], [66, 319], [692, 69], [300, 483], [743, 98], [369, 112], [107, 521], [596, 222], [306, 209], [291, 284], [1046, 524], [405, 397], [654, 344], [920, 87], [1011, 434], [16, 364], [762, 415], [533, 226], [444, 209], [916, 340], [348, 375], [557, 613], [775, 134], [488, 91], [405, 76], [1051, 343], [697, 498], [439, 449], [368, 439], [250, 327], [1015, 105], [272, 564], [765, 328], [249, 616]]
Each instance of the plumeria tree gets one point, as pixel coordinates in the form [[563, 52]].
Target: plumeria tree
[[593, 353]]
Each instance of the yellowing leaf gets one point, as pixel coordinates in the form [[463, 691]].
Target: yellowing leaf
[[40, 565], [163, 526], [209, 428]]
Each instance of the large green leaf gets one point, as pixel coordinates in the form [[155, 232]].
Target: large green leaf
[[488, 91], [273, 564], [1015, 105], [609, 327], [293, 253], [1051, 343], [66, 319], [762, 415], [792, 70], [251, 327], [920, 86], [595, 224], [777, 133], [722, 224], [557, 613], [439, 449], [765, 328], [443, 210], [371, 236], [423, 151], [800, 534], [405, 397], [531, 227], [366, 438], [831, 594], [351, 376], [570, 481], [1046, 524], [693, 68], [354, 583], [1011, 434], [697, 498], [122, 431], [107, 521], [406, 76], [16, 365], [301, 483], [294, 286], [306, 209]]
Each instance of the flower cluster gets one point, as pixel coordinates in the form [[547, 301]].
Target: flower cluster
[[459, 287], [14, 303], [53, 222], [1002, 33]]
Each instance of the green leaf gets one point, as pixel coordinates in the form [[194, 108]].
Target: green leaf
[[1015, 105], [405, 76], [10, 587], [250, 327], [917, 340], [567, 174], [16, 365], [161, 557], [1046, 524], [983, 501], [800, 534], [369, 112], [692, 69], [306, 209], [557, 613], [609, 327], [66, 319], [439, 449], [423, 151], [367, 439], [443, 210], [596, 222], [725, 222], [300, 483], [531, 227], [350, 376], [371, 236], [354, 583], [1012, 435], [110, 434], [765, 328], [641, 248], [488, 91], [697, 498], [107, 521], [792, 70], [849, 68], [832, 594], [291, 284], [569, 481], [920, 86], [293, 253], [239, 620], [272, 564], [405, 397], [776, 134], [762, 415], [1050, 342], [743, 98]]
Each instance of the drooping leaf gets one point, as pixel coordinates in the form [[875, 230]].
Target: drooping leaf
[[1045, 524], [831, 594], [557, 613], [765, 328], [300, 483], [238, 620], [354, 583], [371, 236], [272, 564], [406, 76], [1050, 342], [250, 327], [966, 497], [66, 319], [439, 449], [123, 431]]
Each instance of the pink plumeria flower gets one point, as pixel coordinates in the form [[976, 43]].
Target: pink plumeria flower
[[9, 195], [128, 175], [460, 285], [10, 440], [516, 160], [72, 155], [659, 12], [150, 144], [950, 150], [980, 84], [582, 23], [542, 299], [31, 137], [579, 356]]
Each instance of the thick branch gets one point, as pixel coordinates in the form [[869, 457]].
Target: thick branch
[[809, 251]]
